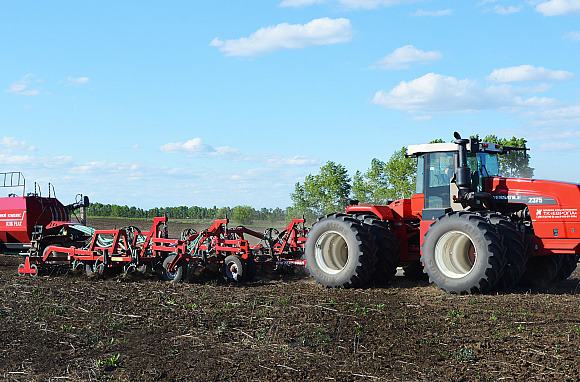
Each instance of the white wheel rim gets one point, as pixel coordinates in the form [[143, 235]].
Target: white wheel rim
[[331, 252], [453, 254]]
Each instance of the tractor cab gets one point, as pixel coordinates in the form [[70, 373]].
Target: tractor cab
[[449, 173]]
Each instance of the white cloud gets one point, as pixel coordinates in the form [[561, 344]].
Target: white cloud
[[295, 161], [441, 94], [558, 116], [403, 57], [21, 87], [528, 73], [573, 35], [351, 4], [535, 101], [103, 168], [321, 31], [421, 12], [76, 81], [10, 144], [558, 7], [421, 118], [557, 147], [194, 148], [300, 3], [502, 10]]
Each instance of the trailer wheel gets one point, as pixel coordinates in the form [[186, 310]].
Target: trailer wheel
[[234, 269], [388, 251], [340, 252], [515, 251], [177, 274], [462, 253]]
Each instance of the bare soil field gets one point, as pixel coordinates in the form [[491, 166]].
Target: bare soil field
[[281, 327]]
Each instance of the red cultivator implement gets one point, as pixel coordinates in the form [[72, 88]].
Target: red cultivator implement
[[217, 247]]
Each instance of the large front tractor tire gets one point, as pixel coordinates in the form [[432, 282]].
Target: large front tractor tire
[[463, 253], [340, 252]]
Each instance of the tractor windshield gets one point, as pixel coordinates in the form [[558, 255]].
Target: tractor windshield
[[482, 165]]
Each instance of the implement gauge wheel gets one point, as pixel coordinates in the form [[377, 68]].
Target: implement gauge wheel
[[340, 251], [234, 269], [177, 274], [463, 253]]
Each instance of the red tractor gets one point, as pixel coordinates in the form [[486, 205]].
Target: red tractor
[[467, 228]]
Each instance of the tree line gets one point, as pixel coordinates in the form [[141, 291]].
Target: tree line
[[240, 214]]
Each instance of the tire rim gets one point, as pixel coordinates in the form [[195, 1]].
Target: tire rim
[[331, 252], [455, 254], [232, 271], [170, 274]]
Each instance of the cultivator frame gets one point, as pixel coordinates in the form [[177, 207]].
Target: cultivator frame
[[128, 249]]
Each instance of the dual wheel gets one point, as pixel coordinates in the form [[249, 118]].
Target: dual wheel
[[350, 251], [484, 252], [463, 253]]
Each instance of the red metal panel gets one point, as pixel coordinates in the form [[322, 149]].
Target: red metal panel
[[382, 212], [553, 205]]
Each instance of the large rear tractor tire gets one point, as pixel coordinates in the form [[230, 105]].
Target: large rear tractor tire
[[340, 252], [388, 251], [463, 253], [515, 250]]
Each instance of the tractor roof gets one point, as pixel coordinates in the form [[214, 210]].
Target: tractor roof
[[416, 150]]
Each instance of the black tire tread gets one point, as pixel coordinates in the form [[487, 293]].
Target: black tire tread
[[496, 259], [366, 249]]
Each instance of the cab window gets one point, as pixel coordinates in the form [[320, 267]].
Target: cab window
[[439, 169]]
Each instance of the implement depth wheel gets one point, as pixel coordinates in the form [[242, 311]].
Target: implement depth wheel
[[234, 269], [462, 253], [177, 274], [340, 252]]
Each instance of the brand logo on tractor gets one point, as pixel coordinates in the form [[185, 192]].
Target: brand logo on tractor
[[556, 213]]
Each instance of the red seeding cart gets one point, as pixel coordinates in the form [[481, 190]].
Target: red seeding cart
[[30, 222]]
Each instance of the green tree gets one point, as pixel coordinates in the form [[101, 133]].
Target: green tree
[[515, 164], [372, 187], [243, 214], [222, 213], [401, 174], [323, 193]]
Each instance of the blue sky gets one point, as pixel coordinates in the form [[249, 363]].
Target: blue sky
[[166, 103]]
